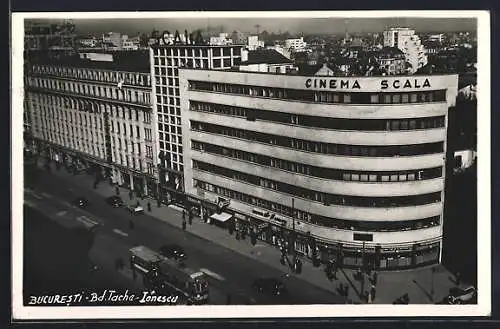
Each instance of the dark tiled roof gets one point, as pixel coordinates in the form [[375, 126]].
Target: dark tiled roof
[[309, 69], [131, 61], [267, 56]]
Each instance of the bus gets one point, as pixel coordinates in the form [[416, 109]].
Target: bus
[[164, 274]]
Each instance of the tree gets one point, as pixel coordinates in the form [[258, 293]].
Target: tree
[[144, 40]]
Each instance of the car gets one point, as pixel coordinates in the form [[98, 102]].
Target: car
[[462, 295], [135, 208], [269, 286], [173, 251], [81, 202], [114, 201]]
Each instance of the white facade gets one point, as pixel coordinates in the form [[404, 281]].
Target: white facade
[[296, 45], [222, 39], [102, 116], [165, 64], [245, 141], [267, 68], [89, 42], [113, 38], [409, 43]]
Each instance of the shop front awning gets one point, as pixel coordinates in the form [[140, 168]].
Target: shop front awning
[[222, 217]]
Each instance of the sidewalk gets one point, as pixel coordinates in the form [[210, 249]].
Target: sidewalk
[[418, 283]]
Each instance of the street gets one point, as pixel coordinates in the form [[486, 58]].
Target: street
[[230, 273]]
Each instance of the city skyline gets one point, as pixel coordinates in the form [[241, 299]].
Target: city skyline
[[332, 25]]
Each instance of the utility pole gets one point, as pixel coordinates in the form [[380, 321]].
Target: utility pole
[[293, 232]]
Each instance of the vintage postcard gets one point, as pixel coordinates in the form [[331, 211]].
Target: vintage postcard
[[250, 164]]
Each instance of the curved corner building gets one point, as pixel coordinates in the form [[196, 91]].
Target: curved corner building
[[355, 166]]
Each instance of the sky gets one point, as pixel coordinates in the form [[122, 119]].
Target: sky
[[292, 25]]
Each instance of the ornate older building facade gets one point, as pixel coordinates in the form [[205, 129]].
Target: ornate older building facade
[[93, 114]]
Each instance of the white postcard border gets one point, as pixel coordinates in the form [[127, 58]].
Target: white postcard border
[[483, 308]]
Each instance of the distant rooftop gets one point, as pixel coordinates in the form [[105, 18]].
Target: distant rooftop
[[129, 61], [268, 56]]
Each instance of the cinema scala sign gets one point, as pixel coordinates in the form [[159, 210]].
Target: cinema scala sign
[[355, 84]]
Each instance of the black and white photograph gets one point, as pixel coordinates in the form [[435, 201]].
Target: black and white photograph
[[250, 164]]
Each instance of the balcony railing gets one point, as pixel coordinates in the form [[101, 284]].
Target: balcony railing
[[89, 97]]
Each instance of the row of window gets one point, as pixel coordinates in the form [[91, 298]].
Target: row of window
[[355, 225], [112, 93], [172, 110], [318, 147], [121, 112], [167, 91], [56, 118], [163, 81], [71, 129], [195, 52], [121, 129], [171, 65], [172, 158], [63, 117], [128, 146], [172, 148], [67, 118], [164, 100], [321, 122], [326, 198], [321, 96], [169, 120], [320, 172], [43, 124], [136, 79], [127, 161], [75, 142], [172, 128]]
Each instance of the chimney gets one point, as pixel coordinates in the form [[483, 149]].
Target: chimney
[[244, 54]]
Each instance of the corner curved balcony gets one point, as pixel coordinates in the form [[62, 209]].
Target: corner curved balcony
[[394, 163]]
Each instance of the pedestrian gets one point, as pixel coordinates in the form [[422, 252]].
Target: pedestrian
[[149, 206], [373, 291], [183, 214], [375, 278], [190, 218], [359, 274]]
